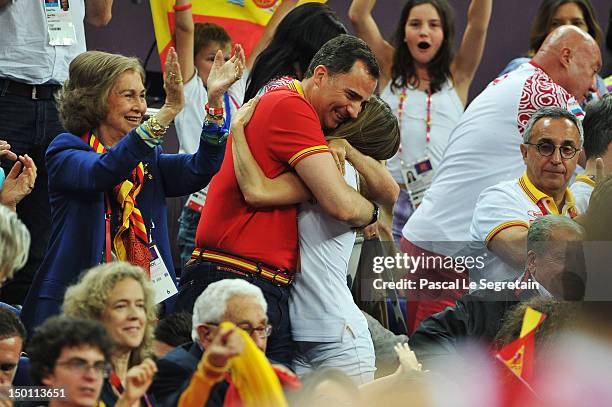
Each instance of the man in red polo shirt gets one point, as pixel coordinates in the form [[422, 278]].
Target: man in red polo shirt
[[235, 240]]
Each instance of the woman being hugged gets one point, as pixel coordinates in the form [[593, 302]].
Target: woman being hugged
[[425, 84]]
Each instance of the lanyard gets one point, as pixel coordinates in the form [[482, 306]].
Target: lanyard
[[107, 221], [116, 383], [400, 113]]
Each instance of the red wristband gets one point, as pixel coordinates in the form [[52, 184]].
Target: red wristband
[[213, 111], [183, 7]]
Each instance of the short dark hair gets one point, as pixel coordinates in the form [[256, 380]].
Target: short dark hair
[[298, 37], [403, 70], [597, 126], [174, 329], [60, 332], [339, 55], [10, 325], [206, 33]]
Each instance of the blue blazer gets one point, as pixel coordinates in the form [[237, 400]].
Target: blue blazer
[[78, 179]]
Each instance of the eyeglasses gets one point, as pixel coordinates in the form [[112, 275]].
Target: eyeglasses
[[7, 367], [261, 331], [82, 366], [547, 149]]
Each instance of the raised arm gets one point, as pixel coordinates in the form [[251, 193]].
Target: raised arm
[[98, 12], [360, 14], [183, 39], [470, 52], [281, 11], [258, 190]]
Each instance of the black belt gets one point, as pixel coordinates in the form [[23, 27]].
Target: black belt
[[35, 92]]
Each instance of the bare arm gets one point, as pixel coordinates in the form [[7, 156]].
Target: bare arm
[[510, 245], [376, 181], [470, 52], [360, 14], [281, 11], [259, 190], [320, 174], [183, 40], [98, 12]]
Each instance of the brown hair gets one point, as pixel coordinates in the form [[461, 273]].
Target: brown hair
[[83, 100], [543, 22], [88, 299], [206, 33], [374, 133]]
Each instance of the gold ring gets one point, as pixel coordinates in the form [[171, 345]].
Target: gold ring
[[178, 81]]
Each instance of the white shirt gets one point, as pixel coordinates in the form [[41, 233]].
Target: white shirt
[[25, 53], [321, 304], [190, 120], [582, 188], [508, 204], [483, 150], [446, 110]]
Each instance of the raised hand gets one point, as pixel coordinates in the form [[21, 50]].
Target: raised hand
[[5, 151], [225, 345], [173, 83], [407, 358], [18, 183], [137, 382], [224, 74]]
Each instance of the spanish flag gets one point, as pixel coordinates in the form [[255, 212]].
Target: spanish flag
[[518, 360], [244, 20]]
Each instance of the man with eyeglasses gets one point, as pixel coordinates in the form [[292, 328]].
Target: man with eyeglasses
[[71, 356], [552, 139], [12, 337], [229, 300]]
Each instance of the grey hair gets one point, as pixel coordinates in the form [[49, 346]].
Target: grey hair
[[14, 243], [211, 305], [542, 228], [552, 112]]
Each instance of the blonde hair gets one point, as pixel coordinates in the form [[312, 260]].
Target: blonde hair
[[14, 243], [83, 99], [375, 132], [89, 297]]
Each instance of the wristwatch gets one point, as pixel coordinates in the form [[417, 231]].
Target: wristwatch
[[375, 214]]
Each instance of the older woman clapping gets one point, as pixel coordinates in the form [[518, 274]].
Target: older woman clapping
[[108, 178]]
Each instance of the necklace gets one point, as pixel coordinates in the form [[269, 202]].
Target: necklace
[[400, 112]]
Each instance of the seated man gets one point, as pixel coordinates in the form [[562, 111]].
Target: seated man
[[71, 356], [12, 337], [554, 268], [552, 140], [173, 330], [597, 144], [233, 300]]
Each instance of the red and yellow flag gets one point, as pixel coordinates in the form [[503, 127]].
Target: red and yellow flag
[[244, 20], [518, 358]]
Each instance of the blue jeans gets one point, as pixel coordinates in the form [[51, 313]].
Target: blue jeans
[[197, 276], [188, 225], [29, 126]]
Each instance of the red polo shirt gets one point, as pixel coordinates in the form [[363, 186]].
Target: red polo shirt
[[284, 129]]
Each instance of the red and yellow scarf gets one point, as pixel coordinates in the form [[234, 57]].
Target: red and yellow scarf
[[131, 240]]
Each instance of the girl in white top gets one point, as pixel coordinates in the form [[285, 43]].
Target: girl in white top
[[426, 86]]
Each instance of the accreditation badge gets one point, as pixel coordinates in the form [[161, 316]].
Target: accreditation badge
[[161, 279], [417, 178], [60, 24]]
